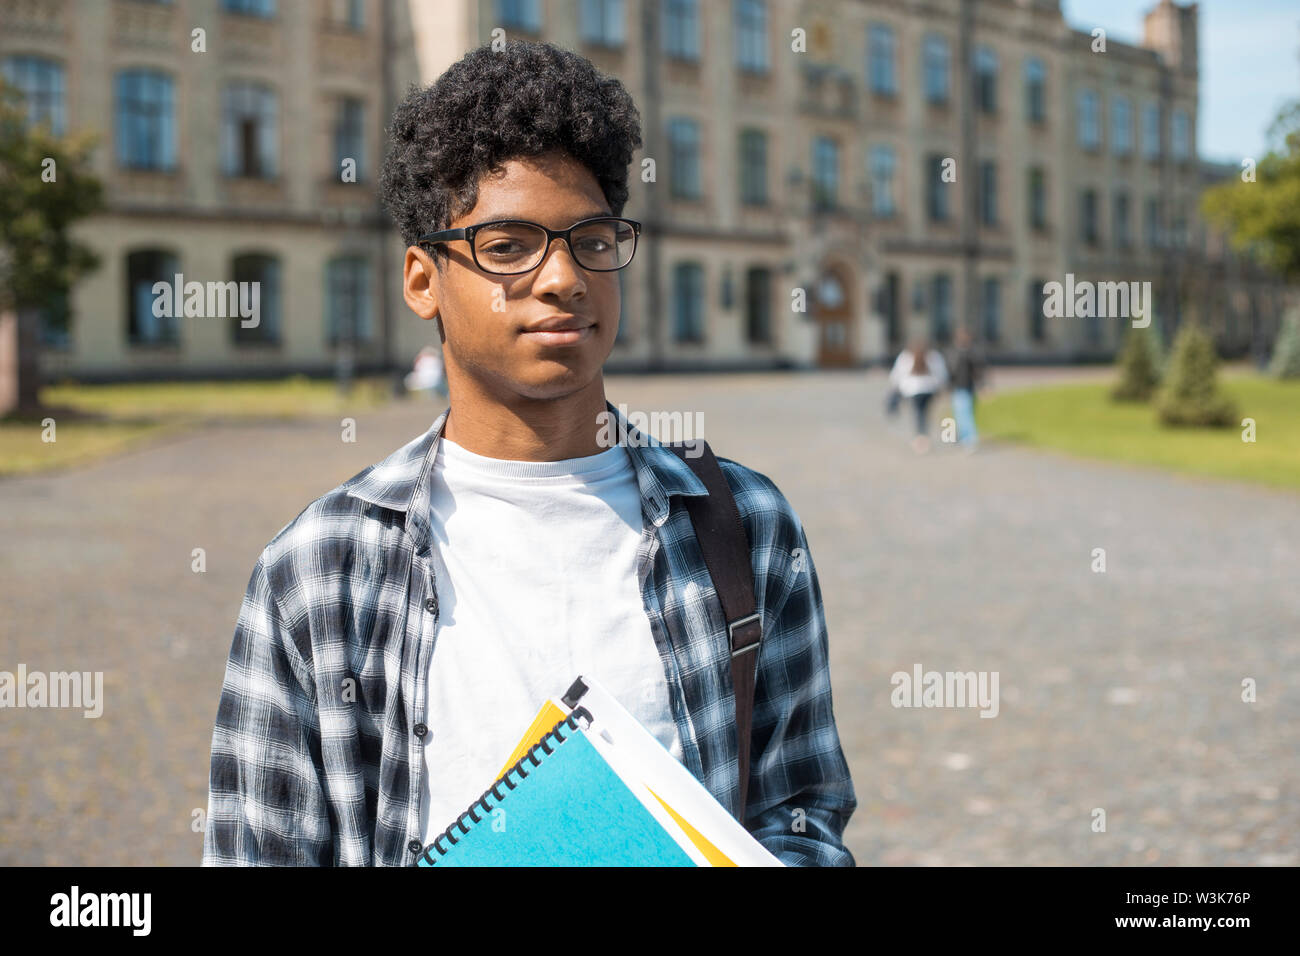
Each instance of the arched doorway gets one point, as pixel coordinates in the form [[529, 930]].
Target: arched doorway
[[834, 318]]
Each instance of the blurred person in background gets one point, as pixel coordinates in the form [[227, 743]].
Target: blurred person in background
[[919, 372], [427, 373], [967, 376]]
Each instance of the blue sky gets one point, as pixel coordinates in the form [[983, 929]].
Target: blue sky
[[1250, 63]]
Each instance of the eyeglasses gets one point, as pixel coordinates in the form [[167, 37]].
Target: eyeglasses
[[513, 246]]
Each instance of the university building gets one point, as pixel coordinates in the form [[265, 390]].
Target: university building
[[828, 177]]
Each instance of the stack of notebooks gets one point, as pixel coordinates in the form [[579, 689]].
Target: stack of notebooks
[[589, 786]]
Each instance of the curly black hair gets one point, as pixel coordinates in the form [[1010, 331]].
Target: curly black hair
[[529, 98]]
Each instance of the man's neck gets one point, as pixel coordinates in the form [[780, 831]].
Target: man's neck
[[530, 430]]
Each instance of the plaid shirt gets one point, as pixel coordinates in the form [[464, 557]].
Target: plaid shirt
[[316, 754]]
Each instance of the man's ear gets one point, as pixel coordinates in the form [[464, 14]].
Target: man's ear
[[421, 286]]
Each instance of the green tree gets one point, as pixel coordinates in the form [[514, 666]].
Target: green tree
[[1286, 353], [1139, 363], [1265, 214], [45, 187], [1190, 395]]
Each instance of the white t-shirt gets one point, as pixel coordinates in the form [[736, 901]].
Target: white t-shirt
[[537, 583], [908, 383]]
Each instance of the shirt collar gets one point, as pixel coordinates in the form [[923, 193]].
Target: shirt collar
[[401, 481]]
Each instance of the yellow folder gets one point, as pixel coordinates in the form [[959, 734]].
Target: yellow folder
[[546, 718]]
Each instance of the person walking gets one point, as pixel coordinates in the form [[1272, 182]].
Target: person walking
[[967, 376], [919, 372]]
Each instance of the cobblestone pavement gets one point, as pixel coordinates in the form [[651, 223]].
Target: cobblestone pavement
[[1118, 690]]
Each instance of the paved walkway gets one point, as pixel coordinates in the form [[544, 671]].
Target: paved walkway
[[1119, 691]]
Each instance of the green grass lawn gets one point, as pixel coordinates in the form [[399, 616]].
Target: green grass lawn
[[1080, 419], [95, 420]]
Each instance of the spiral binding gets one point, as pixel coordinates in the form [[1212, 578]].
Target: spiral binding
[[544, 744]]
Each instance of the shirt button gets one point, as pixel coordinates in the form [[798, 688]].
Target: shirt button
[[414, 846], [420, 730], [431, 604]]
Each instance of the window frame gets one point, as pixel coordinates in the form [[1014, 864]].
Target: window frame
[[882, 47], [154, 116], [936, 54], [44, 101], [139, 280]]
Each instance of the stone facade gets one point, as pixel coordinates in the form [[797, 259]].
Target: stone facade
[[829, 176]]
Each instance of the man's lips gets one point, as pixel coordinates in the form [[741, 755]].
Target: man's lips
[[559, 323], [562, 336], [560, 329]]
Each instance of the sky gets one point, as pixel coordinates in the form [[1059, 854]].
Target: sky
[[1250, 64]]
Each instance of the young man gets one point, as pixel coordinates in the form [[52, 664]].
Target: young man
[[398, 636]]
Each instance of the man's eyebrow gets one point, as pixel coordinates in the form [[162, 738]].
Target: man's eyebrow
[[590, 214]]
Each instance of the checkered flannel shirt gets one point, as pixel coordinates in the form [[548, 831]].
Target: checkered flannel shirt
[[316, 754]]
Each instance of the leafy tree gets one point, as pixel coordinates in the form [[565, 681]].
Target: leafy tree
[[45, 187], [1139, 366], [1190, 395], [1265, 214], [1286, 353]]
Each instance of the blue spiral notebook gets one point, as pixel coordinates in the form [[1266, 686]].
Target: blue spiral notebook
[[561, 804]]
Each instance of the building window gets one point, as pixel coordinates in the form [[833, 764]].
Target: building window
[[143, 269], [751, 35], [520, 15], [249, 141], [988, 193], [684, 157], [935, 59], [1092, 328], [1034, 305], [986, 79], [1178, 228], [1180, 134], [1121, 126], [682, 29], [753, 167], [250, 8], [936, 190], [348, 13], [1037, 197], [941, 309], [991, 309], [882, 74], [1123, 232], [1035, 90], [40, 81], [347, 300], [1153, 225], [758, 305], [1088, 216], [602, 22], [882, 181], [826, 173], [1089, 127], [264, 271], [146, 128], [688, 302], [350, 135], [1151, 131]]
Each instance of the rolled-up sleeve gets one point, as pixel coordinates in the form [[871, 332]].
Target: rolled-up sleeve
[[800, 792], [266, 803]]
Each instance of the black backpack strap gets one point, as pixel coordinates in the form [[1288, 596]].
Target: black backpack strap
[[725, 545]]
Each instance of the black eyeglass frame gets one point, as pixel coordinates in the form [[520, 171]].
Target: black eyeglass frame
[[467, 233]]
